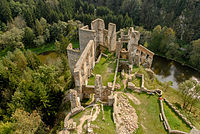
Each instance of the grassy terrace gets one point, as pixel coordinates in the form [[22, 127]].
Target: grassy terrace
[[175, 122], [148, 115], [106, 68], [171, 94], [107, 126]]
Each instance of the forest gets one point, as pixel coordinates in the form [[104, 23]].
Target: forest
[[168, 28]]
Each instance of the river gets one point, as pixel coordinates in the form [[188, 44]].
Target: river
[[49, 58], [168, 70]]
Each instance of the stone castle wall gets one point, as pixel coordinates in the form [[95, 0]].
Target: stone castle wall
[[85, 35], [112, 37], [98, 25], [73, 56], [98, 39], [83, 67]]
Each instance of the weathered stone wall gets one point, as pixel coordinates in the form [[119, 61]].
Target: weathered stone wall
[[162, 114], [74, 99], [124, 54], [84, 66], [87, 90], [112, 37], [85, 35], [105, 33], [106, 91], [98, 25], [118, 47], [73, 56], [134, 37], [90, 89], [98, 87], [143, 57], [179, 114]]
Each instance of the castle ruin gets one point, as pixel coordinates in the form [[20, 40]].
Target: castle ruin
[[95, 41]]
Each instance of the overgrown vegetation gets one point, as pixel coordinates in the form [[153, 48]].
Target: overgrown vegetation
[[29, 86], [106, 68]]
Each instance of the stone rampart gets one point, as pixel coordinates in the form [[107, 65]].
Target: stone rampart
[[143, 57], [84, 66], [74, 56], [112, 37], [85, 35]]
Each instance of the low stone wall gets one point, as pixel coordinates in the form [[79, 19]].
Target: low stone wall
[[114, 108], [165, 121], [142, 89], [90, 89], [115, 77], [162, 114], [179, 114], [67, 121]]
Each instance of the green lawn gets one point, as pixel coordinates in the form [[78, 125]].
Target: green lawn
[[148, 115], [44, 48], [75, 44], [175, 122], [106, 68], [107, 126]]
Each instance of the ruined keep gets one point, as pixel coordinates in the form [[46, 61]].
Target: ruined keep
[[95, 41]]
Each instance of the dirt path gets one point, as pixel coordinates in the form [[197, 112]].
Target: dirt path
[[94, 116], [133, 98], [82, 120]]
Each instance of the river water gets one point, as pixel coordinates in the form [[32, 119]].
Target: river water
[[168, 70], [48, 58]]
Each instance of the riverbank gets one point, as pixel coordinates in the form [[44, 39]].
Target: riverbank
[[180, 62], [168, 70]]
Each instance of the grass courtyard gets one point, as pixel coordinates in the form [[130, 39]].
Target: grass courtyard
[[148, 115], [175, 122], [107, 126], [106, 68]]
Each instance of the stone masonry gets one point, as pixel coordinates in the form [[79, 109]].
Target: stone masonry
[[98, 87], [97, 39], [74, 99]]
